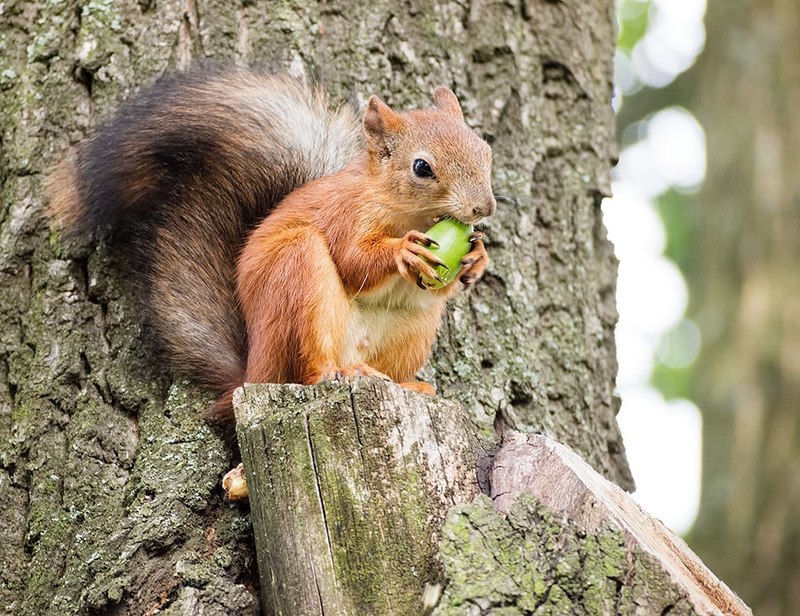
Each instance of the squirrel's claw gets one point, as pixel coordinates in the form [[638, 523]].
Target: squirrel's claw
[[468, 279], [421, 238], [427, 255], [330, 372], [415, 261], [439, 263], [362, 369], [474, 262]]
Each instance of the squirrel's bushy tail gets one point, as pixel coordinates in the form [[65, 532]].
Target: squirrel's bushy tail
[[181, 173]]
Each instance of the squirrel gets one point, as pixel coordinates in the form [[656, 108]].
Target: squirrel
[[279, 239]]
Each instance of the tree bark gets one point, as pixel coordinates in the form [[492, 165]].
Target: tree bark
[[557, 538], [109, 499]]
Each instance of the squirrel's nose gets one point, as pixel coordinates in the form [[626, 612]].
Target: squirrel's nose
[[485, 208]]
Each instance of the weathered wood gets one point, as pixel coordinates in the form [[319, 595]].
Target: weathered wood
[[625, 561], [349, 487]]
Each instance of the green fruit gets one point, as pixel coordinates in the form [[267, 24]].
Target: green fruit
[[452, 237]]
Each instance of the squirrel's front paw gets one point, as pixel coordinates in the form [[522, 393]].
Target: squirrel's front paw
[[414, 259], [475, 261]]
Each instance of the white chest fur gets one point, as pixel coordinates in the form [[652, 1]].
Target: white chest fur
[[377, 317]]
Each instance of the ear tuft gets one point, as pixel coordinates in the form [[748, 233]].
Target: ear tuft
[[381, 125], [447, 101]]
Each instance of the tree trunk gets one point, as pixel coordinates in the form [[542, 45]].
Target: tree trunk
[[745, 287], [109, 497]]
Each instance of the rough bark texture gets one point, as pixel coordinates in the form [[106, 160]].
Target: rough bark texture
[[662, 575], [108, 497], [744, 281], [349, 488], [535, 561]]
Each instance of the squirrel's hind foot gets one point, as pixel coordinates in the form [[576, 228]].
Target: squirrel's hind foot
[[420, 387], [331, 372]]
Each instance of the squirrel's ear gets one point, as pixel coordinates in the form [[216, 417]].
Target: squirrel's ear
[[447, 101], [381, 126]]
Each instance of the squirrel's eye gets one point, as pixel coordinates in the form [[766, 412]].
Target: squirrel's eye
[[422, 169]]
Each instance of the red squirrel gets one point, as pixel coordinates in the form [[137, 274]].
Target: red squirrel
[[280, 240]]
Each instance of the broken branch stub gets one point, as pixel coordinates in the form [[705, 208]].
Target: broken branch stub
[[349, 486], [565, 484]]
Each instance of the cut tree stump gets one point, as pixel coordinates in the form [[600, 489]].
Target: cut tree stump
[[364, 494], [349, 488]]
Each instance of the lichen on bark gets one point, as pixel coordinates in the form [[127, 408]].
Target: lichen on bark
[[533, 561], [89, 418], [349, 484]]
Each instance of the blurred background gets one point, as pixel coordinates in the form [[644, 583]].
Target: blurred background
[[706, 222]]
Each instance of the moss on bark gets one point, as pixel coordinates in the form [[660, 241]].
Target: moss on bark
[[535, 562], [350, 484], [89, 419]]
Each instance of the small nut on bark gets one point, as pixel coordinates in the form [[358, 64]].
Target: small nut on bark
[[235, 485]]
